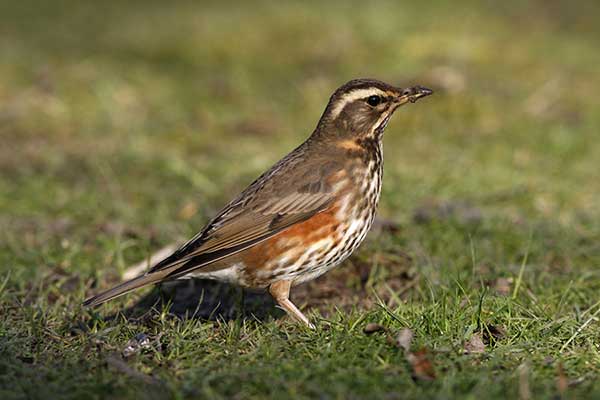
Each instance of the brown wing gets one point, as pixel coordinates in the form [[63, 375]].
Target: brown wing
[[292, 191], [238, 231]]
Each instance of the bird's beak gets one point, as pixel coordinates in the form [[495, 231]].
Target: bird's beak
[[412, 94]]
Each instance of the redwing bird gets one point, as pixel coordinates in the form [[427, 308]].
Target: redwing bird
[[303, 216]]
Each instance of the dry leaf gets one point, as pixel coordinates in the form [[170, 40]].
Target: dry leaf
[[475, 345], [561, 380], [503, 286], [372, 328], [405, 338], [421, 366]]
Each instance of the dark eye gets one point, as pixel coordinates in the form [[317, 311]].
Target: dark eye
[[373, 101]]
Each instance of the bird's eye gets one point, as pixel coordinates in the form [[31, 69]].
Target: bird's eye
[[373, 101]]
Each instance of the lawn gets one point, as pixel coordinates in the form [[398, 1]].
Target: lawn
[[125, 126]]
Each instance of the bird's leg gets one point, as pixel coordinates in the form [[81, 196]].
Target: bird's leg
[[281, 293]]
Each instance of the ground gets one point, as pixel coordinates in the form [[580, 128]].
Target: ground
[[124, 127]]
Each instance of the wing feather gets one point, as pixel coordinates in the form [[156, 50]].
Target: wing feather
[[280, 198], [273, 207]]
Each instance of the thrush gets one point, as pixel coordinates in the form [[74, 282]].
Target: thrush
[[304, 215]]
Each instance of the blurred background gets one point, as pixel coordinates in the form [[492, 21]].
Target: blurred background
[[128, 124], [125, 125], [148, 116]]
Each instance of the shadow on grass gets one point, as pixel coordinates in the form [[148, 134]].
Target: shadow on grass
[[343, 288], [209, 300]]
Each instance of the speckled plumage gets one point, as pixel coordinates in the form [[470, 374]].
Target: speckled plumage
[[303, 216]]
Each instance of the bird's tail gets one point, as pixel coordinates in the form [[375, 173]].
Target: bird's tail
[[124, 288]]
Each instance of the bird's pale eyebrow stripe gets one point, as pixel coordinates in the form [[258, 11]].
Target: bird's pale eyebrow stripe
[[352, 96]]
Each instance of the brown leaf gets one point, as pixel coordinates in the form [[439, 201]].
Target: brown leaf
[[503, 286], [421, 365], [475, 345], [405, 338], [562, 382], [372, 328]]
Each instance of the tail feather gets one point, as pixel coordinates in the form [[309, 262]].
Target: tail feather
[[124, 288]]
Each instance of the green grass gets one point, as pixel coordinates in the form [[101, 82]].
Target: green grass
[[124, 127]]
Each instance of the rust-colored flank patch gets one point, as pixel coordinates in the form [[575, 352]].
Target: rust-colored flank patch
[[319, 227]]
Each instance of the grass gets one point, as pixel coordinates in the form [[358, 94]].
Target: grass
[[124, 127]]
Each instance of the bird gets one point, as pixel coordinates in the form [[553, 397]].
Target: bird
[[305, 215]]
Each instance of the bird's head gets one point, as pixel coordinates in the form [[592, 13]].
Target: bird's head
[[362, 108]]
